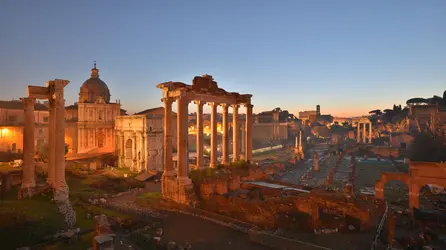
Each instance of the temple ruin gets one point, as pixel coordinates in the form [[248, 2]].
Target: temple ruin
[[204, 90], [54, 93], [364, 137]]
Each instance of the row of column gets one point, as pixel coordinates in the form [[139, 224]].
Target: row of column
[[364, 135], [182, 130]]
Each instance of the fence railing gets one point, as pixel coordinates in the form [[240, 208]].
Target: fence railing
[[380, 227]]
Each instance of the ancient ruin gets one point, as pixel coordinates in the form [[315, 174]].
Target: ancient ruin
[[203, 90], [364, 137], [54, 92], [420, 174], [139, 142]]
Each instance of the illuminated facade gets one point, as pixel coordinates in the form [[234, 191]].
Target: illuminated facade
[[12, 117], [139, 140], [89, 124]]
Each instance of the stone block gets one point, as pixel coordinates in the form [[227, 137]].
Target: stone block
[[221, 187], [207, 190], [234, 183]]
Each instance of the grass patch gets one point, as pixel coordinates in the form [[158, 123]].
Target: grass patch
[[150, 195]]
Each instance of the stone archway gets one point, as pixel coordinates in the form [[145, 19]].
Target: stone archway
[[128, 153]]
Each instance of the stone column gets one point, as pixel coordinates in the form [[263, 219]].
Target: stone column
[[143, 152], [182, 127], [80, 142], [225, 128], [51, 142], [379, 189], [60, 185], [301, 150], [79, 138], [214, 143], [414, 196], [370, 132], [363, 133], [358, 138], [235, 129], [122, 148], [248, 139], [243, 141], [316, 161], [28, 181], [200, 138], [134, 153], [168, 165], [94, 137]]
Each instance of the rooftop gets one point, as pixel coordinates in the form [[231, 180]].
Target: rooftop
[[17, 104]]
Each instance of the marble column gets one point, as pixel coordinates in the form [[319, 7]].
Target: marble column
[[200, 138], [79, 139], [225, 130], [51, 142], [358, 138], [214, 144], [363, 132], [60, 185], [28, 181], [122, 149], [168, 165], [243, 141], [182, 127], [143, 152], [235, 131], [300, 141], [134, 153], [248, 139], [370, 132]]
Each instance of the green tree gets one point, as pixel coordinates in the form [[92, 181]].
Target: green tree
[[426, 147], [416, 100]]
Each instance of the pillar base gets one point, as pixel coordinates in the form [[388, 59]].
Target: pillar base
[[180, 190], [26, 192]]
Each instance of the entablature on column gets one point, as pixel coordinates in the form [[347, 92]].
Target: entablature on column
[[203, 89]]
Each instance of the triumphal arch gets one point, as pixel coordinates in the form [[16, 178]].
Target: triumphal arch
[[204, 90], [420, 174]]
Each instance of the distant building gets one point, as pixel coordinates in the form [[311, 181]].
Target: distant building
[[12, 117], [274, 126], [140, 142], [89, 122], [308, 115]]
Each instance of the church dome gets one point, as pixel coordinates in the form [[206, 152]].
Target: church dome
[[94, 88]]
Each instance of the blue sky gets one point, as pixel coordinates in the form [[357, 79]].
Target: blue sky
[[348, 56]]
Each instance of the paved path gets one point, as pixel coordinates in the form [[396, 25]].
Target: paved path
[[200, 233]]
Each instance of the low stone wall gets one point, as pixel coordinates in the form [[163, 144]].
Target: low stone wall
[[371, 150]]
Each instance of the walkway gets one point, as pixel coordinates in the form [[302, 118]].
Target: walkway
[[200, 233]]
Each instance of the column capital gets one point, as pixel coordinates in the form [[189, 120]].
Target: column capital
[[235, 106], [28, 100], [183, 98], [248, 105], [167, 100], [212, 104], [225, 107], [199, 103]]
